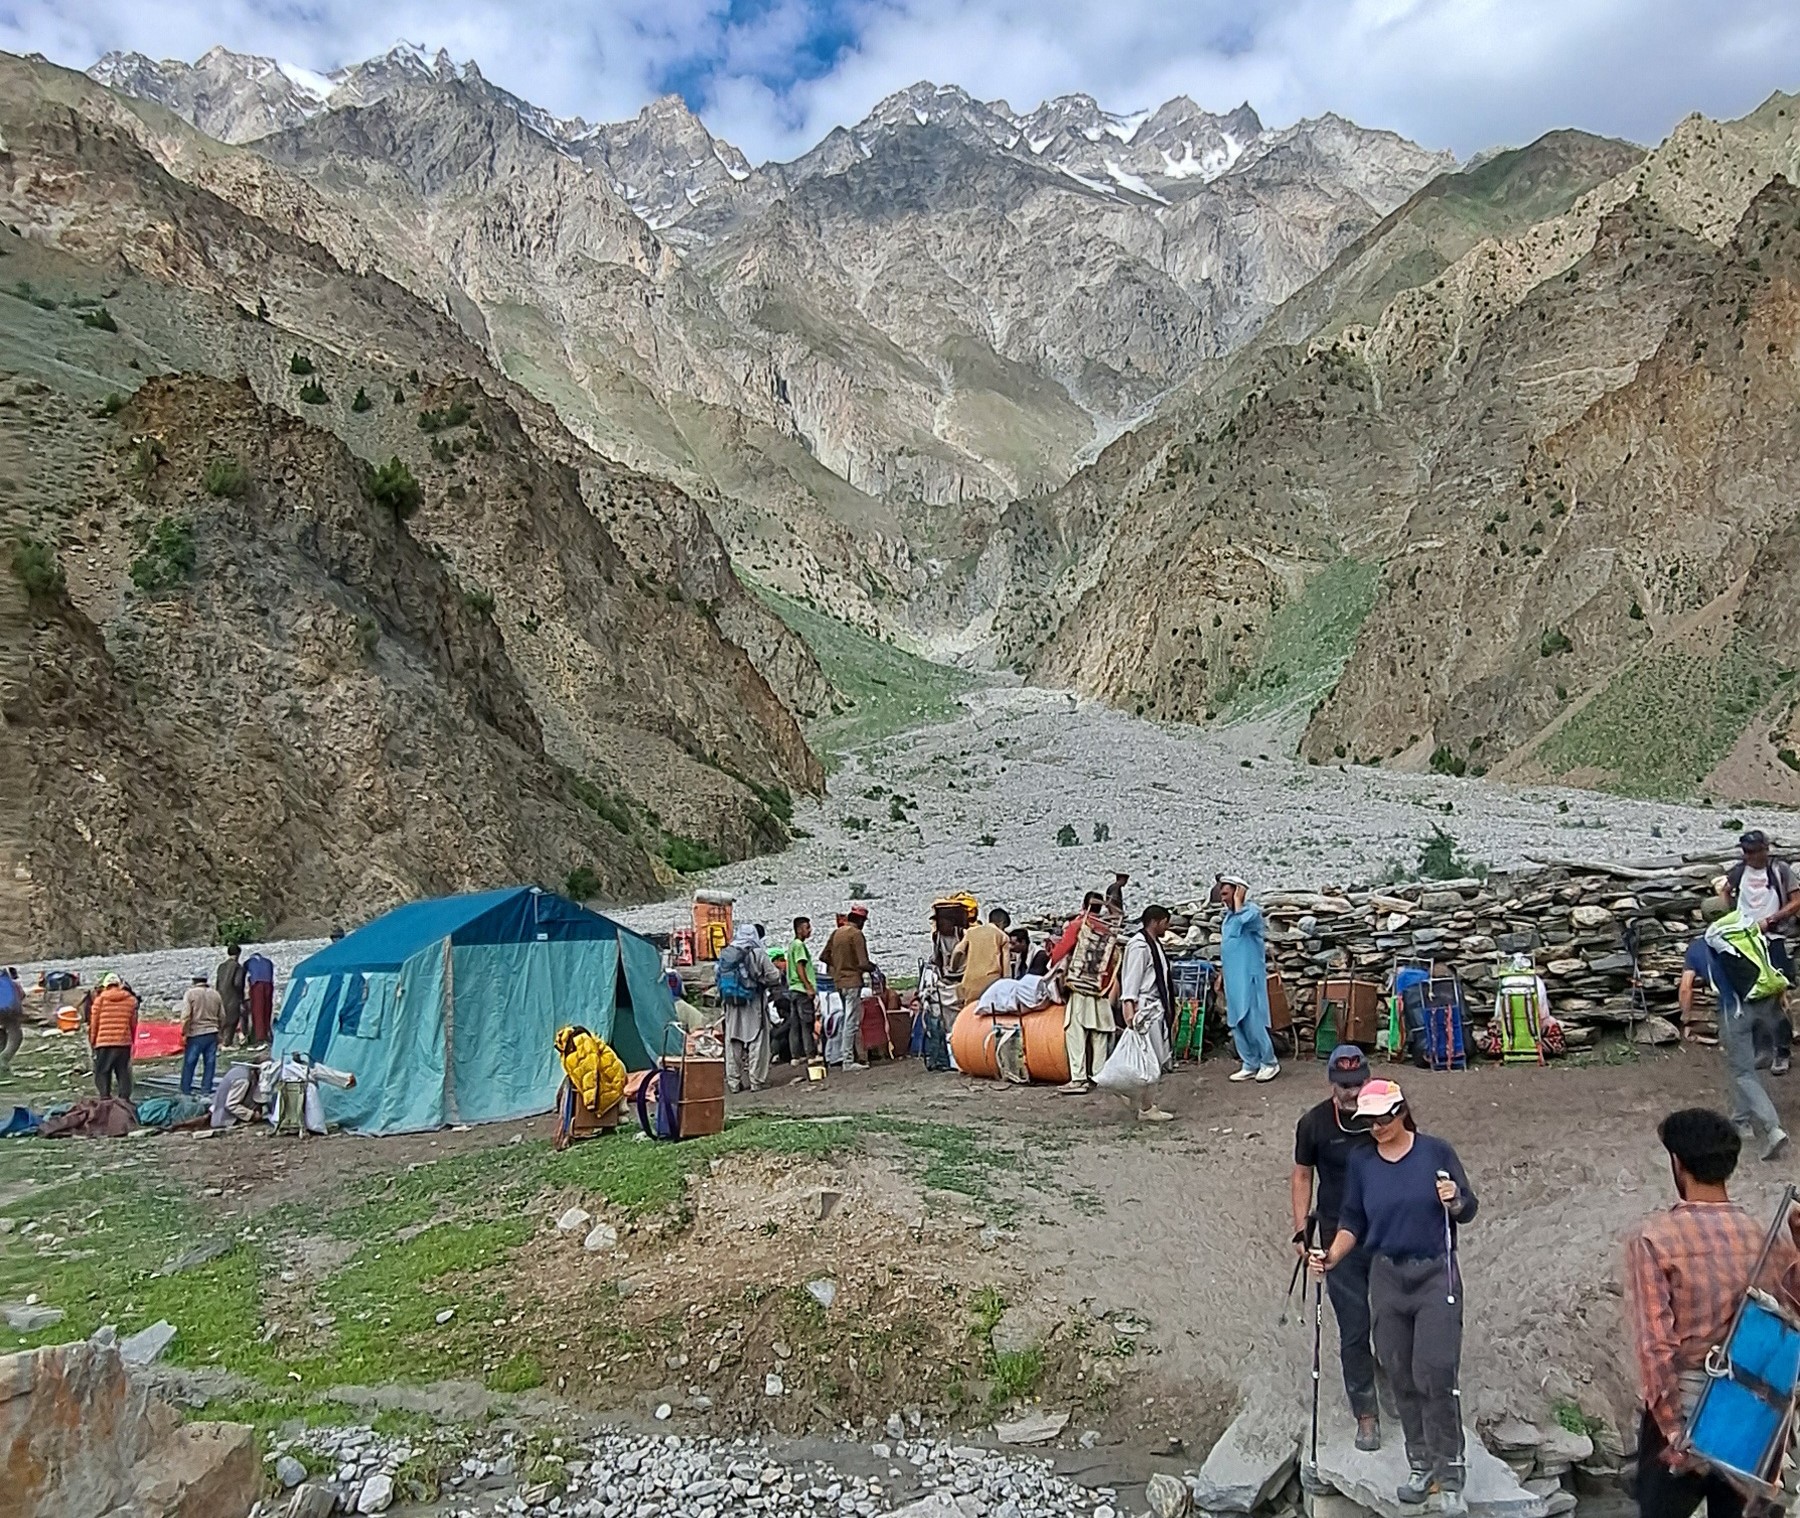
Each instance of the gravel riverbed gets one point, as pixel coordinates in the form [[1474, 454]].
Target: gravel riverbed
[[979, 802]]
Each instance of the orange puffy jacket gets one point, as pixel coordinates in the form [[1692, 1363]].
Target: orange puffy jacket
[[112, 1019]]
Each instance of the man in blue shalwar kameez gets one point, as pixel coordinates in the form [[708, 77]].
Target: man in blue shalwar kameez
[[1244, 962]]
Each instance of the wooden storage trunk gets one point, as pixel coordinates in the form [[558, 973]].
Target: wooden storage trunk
[[702, 1109], [1356, 1008]]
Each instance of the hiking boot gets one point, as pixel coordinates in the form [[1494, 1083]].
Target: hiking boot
[[1780, 1065], [1368, 1432], [1776, 1145], [1268, 1073], [1416, 1489], [1242, 1073], [1154, 1115]]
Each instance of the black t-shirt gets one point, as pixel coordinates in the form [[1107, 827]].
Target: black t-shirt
[[1323, 1141]]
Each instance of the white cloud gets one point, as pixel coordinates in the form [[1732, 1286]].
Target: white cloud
[[1464, 74]]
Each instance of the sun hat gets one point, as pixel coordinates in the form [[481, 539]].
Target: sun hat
[[200, 976], [1379, 1099], [110, 978], [857, 909], [1348, 1066]]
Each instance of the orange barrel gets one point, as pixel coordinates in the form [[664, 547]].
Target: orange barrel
[[1046, 1046]]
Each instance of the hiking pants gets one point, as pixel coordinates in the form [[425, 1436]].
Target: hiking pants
[[201, 1050], [260, 998], [112, 1070], [801, 1045], [747, 1064], [1418, 1335], [1254, 1045], [12, 1034], [1347, 1283], [1738, 1026], [1663, 1493]]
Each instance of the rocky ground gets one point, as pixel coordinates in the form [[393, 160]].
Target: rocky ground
[[978, 803]]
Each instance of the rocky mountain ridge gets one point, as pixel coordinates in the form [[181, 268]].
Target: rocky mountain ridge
[[583, 617], [853, 359], [1373, 514]]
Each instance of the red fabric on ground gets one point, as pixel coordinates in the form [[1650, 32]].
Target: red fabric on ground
[[157, 1040]]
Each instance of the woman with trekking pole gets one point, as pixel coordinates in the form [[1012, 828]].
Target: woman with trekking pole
[[1403, 1199]]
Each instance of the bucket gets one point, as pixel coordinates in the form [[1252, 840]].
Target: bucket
[[68, 1019], [815, 1071]]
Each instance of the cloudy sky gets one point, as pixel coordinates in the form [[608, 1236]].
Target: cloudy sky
[[775, 75]]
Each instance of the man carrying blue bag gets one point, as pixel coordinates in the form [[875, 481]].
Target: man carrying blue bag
[[1687, 1270]]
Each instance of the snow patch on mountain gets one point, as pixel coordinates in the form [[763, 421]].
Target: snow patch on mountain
[[1132, 182], [314, 86]]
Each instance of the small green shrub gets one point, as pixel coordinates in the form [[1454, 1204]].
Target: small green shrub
[[1102, 832], [1444, 761], [1066, 836], [1635, 612], [897, 810], [582, 884], [1440, 859], [225, 476], [167, 557], [300, 364], [34, 562], [362, 402], [685, 855], [241, 925], [101, 320], [856, 824], [313, 393], [1553, 642], [112, 405], [608, 807], [1788, 757], [480, 600], [453, 415], [392, 485]]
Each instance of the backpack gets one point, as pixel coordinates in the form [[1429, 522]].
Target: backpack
[[731, 979], [12, 1000], [1743, 956]]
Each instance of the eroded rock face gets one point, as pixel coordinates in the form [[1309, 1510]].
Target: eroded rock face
[[78, 1439]]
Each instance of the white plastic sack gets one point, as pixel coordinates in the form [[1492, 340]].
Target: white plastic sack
[[1131, 1066]]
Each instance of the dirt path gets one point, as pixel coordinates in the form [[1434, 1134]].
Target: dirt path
[[1188, 1224]]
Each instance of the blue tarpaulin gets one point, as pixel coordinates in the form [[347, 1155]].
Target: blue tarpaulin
[[444, 1010]]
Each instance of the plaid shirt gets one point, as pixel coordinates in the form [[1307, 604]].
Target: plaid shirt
[[1686, 1271]]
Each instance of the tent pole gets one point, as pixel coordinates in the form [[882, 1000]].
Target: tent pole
[[451, 1114]]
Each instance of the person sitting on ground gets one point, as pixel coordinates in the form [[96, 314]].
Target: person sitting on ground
[[1324, 1140], [202, 1015], [1244, 961], [1404, 1198], [112, 1028], [1087, 956], [980, 958], [1146, 1000], [1687, 1268], [1018, 952], [1030, 992], [1764, 889]]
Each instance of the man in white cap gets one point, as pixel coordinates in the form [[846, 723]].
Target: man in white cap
[[1146, 1000]]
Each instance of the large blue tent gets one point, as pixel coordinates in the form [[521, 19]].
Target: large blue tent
[[444, 1010]]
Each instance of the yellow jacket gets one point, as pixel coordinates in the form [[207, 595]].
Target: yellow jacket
[[596, 1073]]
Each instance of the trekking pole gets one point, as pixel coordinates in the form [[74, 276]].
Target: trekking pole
[[1450, 1299], [1304, 1240], [1318, 1334]]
